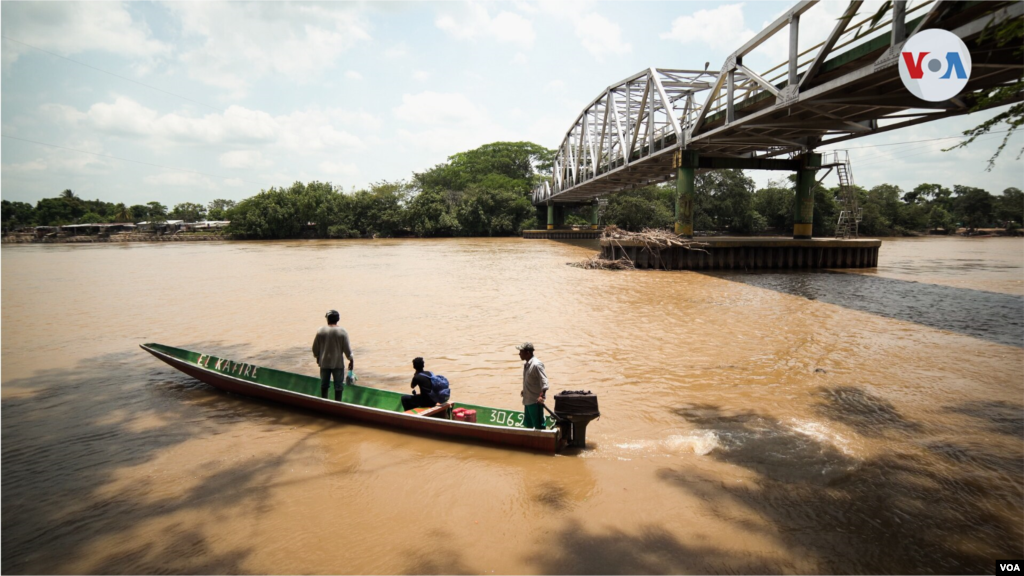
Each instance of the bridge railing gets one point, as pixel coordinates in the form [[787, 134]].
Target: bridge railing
[[660, 109]]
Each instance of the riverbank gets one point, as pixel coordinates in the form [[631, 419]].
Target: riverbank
[[115, 238]]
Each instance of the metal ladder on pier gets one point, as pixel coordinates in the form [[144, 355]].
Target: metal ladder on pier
[[850, 213]]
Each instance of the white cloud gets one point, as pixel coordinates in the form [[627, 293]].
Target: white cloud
[[233, 182], [519, 59], [597, 34], [72, 27], [436, 108], [525, 7], [445, 122], [421, 75], [474, 21], [338, 168], [399, 50], [353, 75], [296, 41], [555, 86], [179, 179], [36, 165], [601, 36], [304, 130], [67, 160], [721, 28], [244, 159]]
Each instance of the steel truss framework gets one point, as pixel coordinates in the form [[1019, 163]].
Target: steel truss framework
[[821, 95]]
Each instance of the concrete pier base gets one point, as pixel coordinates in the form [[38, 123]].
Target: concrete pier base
[[748, 254]]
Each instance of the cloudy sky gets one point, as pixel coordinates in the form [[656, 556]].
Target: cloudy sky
[[174, 102]]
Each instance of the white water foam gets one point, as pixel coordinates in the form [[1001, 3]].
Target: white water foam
[[700, 442], [821, 433]]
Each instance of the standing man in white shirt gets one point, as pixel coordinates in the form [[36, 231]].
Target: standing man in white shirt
[[330, 348], [535, 387]]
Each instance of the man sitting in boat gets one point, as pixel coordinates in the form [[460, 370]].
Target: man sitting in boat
[[421, 379], [330, 348]]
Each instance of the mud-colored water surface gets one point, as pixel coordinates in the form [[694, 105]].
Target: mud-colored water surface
[[865, 422]]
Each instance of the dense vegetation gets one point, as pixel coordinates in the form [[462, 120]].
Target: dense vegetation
[[486, 192]]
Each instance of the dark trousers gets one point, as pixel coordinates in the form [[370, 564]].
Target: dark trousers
[[533, 416], [325, 382], [410, 401]]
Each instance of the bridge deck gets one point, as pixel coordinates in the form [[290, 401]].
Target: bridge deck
[[629, 135]]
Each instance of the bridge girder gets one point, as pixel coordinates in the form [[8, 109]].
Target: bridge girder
[[627, 135]]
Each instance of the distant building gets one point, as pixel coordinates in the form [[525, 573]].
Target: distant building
[[97, 229]]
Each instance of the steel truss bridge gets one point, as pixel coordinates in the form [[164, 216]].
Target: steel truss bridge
[[638, 131]]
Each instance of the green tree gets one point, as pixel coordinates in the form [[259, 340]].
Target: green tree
[[218, 209], [939, 218], [936, 195], [435, 213], [122, 213], [189, 212], [58, 211], [914, 216], [974, 206], [140, 212], [826, 210], [67, 194], [726, 198], [91, 218], [157, 212], [494, 211], [379, 211], [637, 209], [15, 214], [775, 205], [272, 213], [1010, 206]]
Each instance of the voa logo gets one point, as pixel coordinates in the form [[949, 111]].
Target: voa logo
[[935, 65]]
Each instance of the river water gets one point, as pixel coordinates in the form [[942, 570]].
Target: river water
[[868, 421]]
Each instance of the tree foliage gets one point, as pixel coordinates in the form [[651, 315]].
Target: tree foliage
[[1008, 34], [486, 192]]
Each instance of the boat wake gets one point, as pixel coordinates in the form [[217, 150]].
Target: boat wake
[[700, 442]]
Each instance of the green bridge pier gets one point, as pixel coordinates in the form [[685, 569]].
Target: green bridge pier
[[746, 253]]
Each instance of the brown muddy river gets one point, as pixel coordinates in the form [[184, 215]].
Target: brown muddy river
[[868, 422]]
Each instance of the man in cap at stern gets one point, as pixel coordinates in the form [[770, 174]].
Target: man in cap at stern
[[535, 387], [330, 348]]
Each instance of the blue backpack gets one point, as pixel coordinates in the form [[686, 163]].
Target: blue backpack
[[439, 391]]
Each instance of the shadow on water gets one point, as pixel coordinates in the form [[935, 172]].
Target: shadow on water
[[988, 315], [866, 413], [70, 433], [649, 550], [926, 504]]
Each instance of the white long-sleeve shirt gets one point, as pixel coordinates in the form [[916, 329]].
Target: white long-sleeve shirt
[[535, 380]]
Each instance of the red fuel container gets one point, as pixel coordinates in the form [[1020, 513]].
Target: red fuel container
[[470, 415], [460, 414]]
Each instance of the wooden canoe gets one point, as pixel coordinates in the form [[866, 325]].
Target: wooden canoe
[[495, 425]]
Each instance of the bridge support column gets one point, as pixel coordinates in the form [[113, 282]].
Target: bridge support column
[[803, 205], [551, 216], [686, 171], [594, 215]]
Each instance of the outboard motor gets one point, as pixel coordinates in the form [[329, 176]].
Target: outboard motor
[[576, 408]]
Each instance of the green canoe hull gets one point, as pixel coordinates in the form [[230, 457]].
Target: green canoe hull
[[494, 425]]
